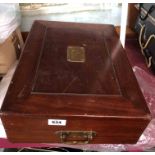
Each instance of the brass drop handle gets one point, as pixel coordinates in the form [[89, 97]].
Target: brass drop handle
[[76, 137]]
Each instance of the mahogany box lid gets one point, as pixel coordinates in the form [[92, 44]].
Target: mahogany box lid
[[77, 70]]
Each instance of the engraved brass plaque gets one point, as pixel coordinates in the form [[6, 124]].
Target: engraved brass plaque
[[75, 54]]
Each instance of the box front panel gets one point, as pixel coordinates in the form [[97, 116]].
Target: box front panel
[[74, 130]]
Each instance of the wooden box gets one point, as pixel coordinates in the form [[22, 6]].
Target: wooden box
[[74, 84]]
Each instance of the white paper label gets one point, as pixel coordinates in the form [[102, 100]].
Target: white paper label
[[57, 122]]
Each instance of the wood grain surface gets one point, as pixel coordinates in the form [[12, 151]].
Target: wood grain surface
[[100, 94]]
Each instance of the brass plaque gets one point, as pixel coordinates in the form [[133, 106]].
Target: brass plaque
[[75, 54]]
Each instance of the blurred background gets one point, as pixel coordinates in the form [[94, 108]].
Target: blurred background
[[109, 13]]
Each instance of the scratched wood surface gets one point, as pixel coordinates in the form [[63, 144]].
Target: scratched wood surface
[[100, 94]]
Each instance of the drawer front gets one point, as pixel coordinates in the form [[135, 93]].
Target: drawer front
[[77, 130]]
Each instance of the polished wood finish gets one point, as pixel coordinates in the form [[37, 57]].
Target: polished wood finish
[[24, 35], [132, 15], [100, 94], [129, 32]]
